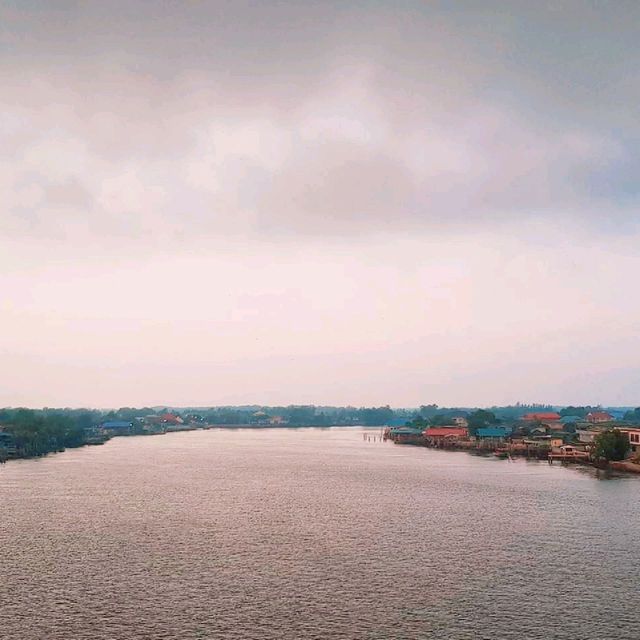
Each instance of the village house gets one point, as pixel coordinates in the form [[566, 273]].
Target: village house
[[116, 428], [541, 416], [550, 419], [538, 431], [444, 435], [492, 434], [568, 452], [633, 434], [260, 417], [460, 421], [587, 436], [599, 417], [406, 435]]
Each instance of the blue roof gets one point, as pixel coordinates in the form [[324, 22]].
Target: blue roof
[[491, 432], [116, 424]]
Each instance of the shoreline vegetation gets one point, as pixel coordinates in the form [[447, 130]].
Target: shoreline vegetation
[[605, 438], [28, 433]]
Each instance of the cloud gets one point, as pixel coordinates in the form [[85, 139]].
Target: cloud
[[313, 118]]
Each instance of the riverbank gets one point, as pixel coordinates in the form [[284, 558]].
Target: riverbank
[[565, 454], [16, 453]]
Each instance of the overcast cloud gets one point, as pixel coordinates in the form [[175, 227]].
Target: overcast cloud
[[438, 201]]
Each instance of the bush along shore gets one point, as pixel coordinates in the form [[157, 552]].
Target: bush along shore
[[27, 433]]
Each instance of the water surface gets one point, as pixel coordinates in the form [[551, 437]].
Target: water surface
[[311, 533]]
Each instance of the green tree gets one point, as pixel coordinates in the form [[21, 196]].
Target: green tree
[[376, 416], [440, 420], [611, 445], [481, 418], [633, 416], [578, 411], [428, 410], [418, 422]]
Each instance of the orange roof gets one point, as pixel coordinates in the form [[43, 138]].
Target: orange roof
[[443, 432], [545, 415]]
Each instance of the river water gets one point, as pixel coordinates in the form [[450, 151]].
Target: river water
[[312, 533]]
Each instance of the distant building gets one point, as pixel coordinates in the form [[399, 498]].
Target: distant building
[[116, 427], [276, 420], [460, 421], [260, 417], [598, 417], [171, 419], [541, 416], [538, 431], [587, 436]]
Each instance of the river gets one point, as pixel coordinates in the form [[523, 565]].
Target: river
[[312, 533]]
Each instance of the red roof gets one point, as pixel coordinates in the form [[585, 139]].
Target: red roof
[[549, 415], [170, 417], [443, 432], [599, 415]]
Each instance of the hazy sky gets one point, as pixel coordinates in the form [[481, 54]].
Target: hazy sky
[[319, 202]]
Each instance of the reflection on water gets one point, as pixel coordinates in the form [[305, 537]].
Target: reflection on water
[[311, 533]]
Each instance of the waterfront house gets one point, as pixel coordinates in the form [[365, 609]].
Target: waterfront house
[[599, 417], [551, 440], [444, 435], [568, 453], [535, 444], [492, 434], [633, 433], [406, 435], [116, 428]]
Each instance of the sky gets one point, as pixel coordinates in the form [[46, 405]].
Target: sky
[[365, 203]]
